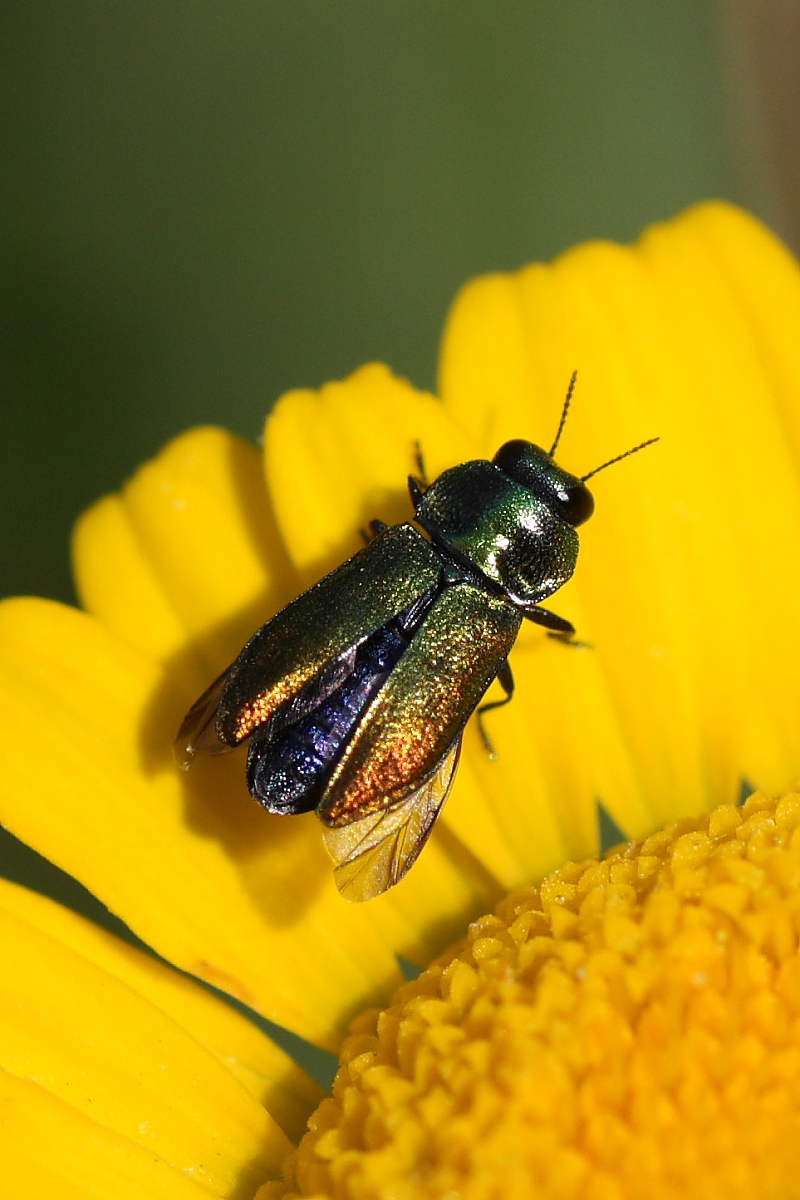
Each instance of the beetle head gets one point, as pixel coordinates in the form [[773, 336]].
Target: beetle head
[[566, 495], [513, 519]]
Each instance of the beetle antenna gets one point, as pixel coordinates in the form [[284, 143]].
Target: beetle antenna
[[618, 457], [564, 412]]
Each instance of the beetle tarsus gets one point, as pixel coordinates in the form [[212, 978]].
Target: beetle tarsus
[[566, 639]]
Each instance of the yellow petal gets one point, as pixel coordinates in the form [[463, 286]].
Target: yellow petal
[[99, 1047], [746, 253], [686, 580], [272, 1078], [230, 893], [190, 862], [50, 1149], [185, 562], [338, 457]]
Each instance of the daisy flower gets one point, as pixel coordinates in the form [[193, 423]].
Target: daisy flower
[[629, 1027]]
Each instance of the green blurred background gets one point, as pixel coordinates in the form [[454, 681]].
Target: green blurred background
[[210, 203]]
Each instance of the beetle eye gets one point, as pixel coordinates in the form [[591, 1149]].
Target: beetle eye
[[576, 504]]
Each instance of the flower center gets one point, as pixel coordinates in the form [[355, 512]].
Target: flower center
[[627, 1029]]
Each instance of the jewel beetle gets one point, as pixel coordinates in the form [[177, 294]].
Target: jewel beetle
[[353, 699]]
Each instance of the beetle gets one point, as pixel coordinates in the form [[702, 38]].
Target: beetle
[[353, 699]]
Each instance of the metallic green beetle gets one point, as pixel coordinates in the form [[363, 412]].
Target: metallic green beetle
[[354, 697]]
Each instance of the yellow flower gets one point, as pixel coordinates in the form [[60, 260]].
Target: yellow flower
[[140, 1083]]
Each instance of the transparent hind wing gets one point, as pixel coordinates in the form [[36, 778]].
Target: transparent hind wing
[[198, 731], [373, 853]]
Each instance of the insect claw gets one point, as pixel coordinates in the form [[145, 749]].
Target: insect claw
[[566, 639]]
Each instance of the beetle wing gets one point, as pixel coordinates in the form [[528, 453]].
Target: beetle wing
[[420, 711], [306, 638], [374, 852], [198, 731]]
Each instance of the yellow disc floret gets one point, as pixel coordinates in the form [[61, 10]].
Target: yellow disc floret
[[630, 1028]]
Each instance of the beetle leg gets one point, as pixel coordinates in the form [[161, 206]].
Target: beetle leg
[[550, 620], [418, 484], [559, 629], [423, 474], [506, 681]]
